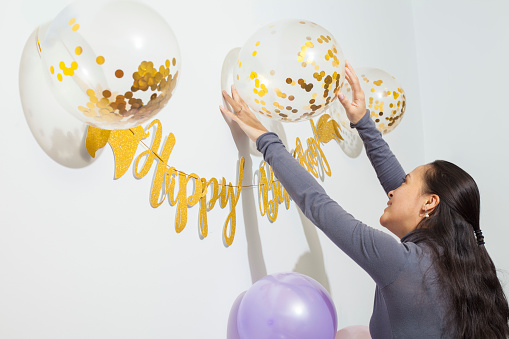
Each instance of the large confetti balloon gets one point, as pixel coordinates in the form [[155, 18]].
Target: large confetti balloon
[[286, 305], [59, 134], [290, 70], [112, 65], [384, 95]]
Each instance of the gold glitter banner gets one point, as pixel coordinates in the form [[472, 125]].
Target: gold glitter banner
[[124, 144], [312, 159]]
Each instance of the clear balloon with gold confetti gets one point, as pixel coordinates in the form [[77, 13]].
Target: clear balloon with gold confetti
[[290, 70], [384, 95], [113, 65], [351, 142]]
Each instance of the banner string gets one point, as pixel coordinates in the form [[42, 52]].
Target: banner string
[[183, 173]]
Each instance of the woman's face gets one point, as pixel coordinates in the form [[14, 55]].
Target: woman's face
[[405, 207]]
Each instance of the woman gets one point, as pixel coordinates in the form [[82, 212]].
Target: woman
[[439, 280]]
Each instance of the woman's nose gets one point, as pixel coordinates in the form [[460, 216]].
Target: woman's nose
[[390, 194]]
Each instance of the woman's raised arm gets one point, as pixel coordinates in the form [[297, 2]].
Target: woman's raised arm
[[387, 167]]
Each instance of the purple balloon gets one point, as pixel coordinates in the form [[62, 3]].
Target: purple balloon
[[286, 306], [232, 330]]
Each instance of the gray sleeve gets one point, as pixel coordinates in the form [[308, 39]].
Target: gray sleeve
[[378, 253], [388, 169]]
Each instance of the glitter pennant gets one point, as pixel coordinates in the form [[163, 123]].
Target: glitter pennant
[[171, 183]]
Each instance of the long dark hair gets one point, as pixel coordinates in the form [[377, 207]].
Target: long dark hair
[[466, 274]]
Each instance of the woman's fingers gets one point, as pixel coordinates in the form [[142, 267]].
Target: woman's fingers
[[236, 96], [353, 80], [243, 116], [349, 77], [227, 97], [229, 114], [226, 112], [233, 104], [357, 92], [344, 100], [238, 99]]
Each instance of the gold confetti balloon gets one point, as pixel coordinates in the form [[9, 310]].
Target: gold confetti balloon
[[384, 95], [112, 65], [290, 70]]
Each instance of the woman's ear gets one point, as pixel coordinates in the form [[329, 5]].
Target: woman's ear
[[432, 202]]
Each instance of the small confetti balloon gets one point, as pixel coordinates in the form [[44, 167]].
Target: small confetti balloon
[[290, 70], [112, 65], [352, 142], [384, 95]]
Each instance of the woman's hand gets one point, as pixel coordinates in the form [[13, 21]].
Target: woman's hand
[[355, 109], [243, 116]]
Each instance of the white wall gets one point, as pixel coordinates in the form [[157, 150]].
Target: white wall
[[462, 56], [85, 256]]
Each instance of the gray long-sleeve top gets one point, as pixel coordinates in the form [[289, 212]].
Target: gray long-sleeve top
[[407, 301]]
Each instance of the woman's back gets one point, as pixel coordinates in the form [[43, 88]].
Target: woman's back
[[411, 306]]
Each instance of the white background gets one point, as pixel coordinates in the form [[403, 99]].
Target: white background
[[85, 256]]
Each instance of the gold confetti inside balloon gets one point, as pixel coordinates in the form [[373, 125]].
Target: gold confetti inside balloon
[[290, 70], [113, 65], [384, 95]]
